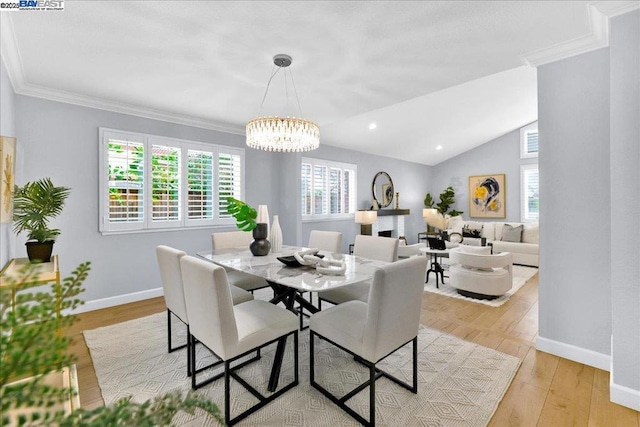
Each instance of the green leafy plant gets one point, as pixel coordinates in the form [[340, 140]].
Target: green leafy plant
[[34, 205], [447, 198], [244, 214], [31, 346]]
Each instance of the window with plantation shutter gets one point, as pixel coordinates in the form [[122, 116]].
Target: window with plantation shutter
[[529, 141], [200, 188], [306, 188], [149, 182], [530, 193], [229, 179], [328, 189]]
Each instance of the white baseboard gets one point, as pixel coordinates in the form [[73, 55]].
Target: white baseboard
[[624, 396], [572, 352], [118, 300], [620, 394]]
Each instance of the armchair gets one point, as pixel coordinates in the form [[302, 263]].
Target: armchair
[[476, 273]]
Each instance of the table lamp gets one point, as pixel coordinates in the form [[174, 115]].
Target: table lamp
[[365, 219]]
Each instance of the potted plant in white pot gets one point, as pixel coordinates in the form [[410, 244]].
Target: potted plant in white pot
[[34, 205]]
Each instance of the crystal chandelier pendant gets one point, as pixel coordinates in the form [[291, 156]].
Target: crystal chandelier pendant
[[282, 134]]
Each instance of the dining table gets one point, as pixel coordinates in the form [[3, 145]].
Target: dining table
[[289, 282]]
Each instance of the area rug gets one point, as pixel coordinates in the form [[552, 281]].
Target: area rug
[[521, 275], [460, 383]]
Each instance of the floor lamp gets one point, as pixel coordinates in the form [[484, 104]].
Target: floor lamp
[[365, 219]]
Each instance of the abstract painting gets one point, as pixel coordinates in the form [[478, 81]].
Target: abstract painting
[[487, 196], [7, 177]]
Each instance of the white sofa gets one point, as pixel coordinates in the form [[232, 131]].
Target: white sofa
[[524, 252]]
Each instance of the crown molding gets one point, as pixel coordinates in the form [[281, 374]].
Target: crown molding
[[598, 38], [615, 8], [11, 56]]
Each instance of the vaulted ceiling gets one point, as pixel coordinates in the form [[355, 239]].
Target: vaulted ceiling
[[454, 74]]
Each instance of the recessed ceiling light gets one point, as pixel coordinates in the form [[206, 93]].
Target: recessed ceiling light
[[439, 147], [372, 126]]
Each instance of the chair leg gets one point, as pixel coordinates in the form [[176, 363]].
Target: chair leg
[[169, 331], [312, 374], [190, 348], [372, 394], [415, 365], [227, 393]]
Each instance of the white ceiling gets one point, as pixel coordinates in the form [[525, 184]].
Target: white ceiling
[[444, 73]]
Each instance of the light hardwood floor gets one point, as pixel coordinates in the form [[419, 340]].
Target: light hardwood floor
[[546, 391]]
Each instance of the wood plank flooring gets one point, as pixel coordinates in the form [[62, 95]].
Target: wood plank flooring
[[546, 391]]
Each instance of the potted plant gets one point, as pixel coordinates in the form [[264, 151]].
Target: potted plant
[[34, 205], [245, 217]]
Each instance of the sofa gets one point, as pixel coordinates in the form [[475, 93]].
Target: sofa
[[503, 236]]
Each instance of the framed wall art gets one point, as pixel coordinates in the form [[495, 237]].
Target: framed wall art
[[487, 196], [7, 177]]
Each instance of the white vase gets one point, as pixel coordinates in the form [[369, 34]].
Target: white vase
[[263, 216], [275, 236]]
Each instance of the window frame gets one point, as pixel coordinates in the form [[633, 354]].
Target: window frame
[[524, 131], [328, 164], [524, 203], [148, 224]]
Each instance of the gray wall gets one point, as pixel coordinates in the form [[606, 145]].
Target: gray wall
[[625, 199], [575, 216], [7, 128], [502, 155], [61, 141], [411, 180]]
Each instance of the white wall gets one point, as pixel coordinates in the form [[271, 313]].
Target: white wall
[[7, 128], [625, 208], [575, 216], [502, 155]]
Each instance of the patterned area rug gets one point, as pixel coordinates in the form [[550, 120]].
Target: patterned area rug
[[460, 383], [520, 276]]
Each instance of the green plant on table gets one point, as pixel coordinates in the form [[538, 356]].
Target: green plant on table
[[447, 198], [34, 205], [244, 214], [32, 345]]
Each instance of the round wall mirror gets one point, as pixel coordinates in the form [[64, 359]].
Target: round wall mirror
[[382, 189]]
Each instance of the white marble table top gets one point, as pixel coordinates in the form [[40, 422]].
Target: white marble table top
[[302, 278]]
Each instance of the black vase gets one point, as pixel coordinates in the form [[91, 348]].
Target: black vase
[[260, 245]]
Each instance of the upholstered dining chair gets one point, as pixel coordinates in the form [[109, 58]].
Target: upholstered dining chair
[[330, 241], [171, 277], [372, 247], [230, 331], [242, 240], [373, 330]]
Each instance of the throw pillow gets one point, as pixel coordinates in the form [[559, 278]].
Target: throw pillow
[[530, 233], [511, 233], [467, 231]]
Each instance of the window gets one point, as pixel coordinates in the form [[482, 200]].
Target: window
[[529, 141], [149, 182], [529, 193], [328, 189]]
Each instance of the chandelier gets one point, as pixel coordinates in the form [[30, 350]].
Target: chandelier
[[275, 133]]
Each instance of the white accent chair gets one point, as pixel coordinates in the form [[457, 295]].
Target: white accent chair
[[171, 277], [330, 241], [476, 273], [373, 330], [372, 247], [230, 331], [406, 251], [240, 240]]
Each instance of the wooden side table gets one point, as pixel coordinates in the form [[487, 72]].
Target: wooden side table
[[45, 272]]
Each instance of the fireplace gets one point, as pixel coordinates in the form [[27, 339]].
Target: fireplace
[[385, 233], [390, 223]]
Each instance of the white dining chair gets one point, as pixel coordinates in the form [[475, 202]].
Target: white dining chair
[[171, 277], [373, 330], [371, 247], [241, 240], [330, 241], [230, 331]]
